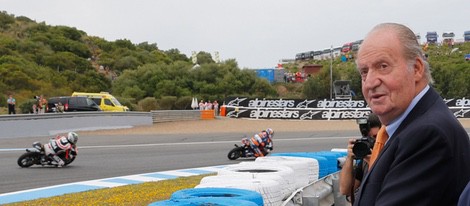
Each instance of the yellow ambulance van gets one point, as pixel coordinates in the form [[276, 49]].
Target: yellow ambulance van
[[106, 101]]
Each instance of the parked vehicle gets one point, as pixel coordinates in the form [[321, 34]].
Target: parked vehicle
[[355, 45], [71, 104], [467, 57], [37, 156], [466, 36], [346, 47], [448, 38], [106, 101], [431, 37]]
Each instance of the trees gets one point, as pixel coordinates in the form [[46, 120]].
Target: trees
[[37, 58], [180, 80], [6, 20], [175, 55]]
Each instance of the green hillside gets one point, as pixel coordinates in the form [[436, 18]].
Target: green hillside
[[36, 58]]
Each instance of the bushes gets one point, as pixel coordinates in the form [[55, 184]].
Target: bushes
[[27, 106], [147, 104], [183, 103], [167, 102]]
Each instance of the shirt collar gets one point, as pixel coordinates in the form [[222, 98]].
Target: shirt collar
[[393, 126]]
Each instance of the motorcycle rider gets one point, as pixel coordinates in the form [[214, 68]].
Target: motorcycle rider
[[259, 142], [59, 145], [269, 140]]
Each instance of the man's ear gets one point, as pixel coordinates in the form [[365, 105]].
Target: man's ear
[[418, 69]]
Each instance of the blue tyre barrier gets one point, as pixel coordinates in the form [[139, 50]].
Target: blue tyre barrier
[[230, 193], [205, 201], [332, 159]]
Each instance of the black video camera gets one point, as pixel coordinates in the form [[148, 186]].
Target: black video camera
[[363, 146]]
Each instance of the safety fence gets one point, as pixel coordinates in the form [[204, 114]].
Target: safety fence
[[181, 115], [27, 125]]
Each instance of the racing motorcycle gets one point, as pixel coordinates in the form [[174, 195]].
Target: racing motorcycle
[[245, 151], [37, 156]]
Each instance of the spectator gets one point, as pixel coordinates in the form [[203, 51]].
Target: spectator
[[35, 106], [208, 105], [216, 107], [60, 107], [348, 182], [11, 104], [201, 105], [425, 159], [42, 104]]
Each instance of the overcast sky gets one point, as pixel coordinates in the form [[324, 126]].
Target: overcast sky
[[257, 33]]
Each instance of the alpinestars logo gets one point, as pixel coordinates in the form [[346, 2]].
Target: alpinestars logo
[[236, 102], [461, 113], [332, 114], [462, 102], [309, 115], [340, 104], [448, 100], [278, 103], [234, 113], [304, 104], [274, 114]]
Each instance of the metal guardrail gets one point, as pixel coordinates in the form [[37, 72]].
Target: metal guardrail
[[175, 115], [31, 125], [157, 115], [70, 115], [324, 191], [27, 125]]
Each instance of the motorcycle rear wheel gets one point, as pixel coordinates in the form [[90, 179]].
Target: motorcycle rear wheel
[[235, 153], [28, 159], [68, 161]]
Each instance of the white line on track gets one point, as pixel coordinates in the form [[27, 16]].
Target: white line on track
[[181, 143]]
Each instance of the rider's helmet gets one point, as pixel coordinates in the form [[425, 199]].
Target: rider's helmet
[[270, 132], [72, 137]]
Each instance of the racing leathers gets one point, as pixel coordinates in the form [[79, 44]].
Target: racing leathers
[[55, 147], [258, 142]]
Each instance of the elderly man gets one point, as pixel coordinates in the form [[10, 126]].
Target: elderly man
[[424, 155]]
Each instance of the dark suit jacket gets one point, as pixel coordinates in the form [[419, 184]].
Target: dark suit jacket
[[426, 162]]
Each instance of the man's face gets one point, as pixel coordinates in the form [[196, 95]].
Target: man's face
[[388, 84], [373, 132]]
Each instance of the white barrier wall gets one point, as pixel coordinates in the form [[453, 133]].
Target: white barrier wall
[[284, 179]]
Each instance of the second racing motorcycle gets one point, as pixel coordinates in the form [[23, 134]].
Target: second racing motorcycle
[[245, 151], [37, 156]]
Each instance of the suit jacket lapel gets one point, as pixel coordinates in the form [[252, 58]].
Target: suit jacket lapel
[[422, 106]]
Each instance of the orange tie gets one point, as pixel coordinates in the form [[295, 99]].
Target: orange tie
[[382, 137]]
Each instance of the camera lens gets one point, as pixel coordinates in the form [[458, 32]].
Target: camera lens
[[361, 149]]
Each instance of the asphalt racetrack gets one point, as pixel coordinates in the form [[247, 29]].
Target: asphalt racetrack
[[105, 155]]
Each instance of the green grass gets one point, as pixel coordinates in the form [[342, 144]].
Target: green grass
[[139, 194]]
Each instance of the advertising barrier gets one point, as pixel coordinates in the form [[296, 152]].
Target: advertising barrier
[[305, 109]]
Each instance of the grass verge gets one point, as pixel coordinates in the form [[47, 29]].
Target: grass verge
[[138, 194]]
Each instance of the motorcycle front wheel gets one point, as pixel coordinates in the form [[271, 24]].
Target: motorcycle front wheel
[[235, 153], [28, 159]]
